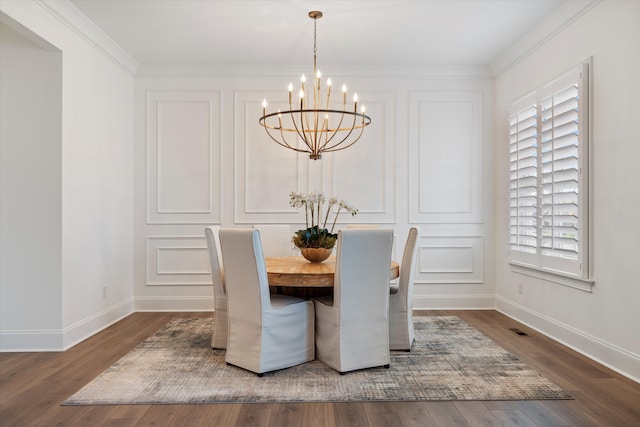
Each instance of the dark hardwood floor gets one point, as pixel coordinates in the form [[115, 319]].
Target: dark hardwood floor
[[32, 386]]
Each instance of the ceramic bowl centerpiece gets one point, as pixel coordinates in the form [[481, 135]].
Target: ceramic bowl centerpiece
[[316, 242]]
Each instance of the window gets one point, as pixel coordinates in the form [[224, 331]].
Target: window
[[548, 157]]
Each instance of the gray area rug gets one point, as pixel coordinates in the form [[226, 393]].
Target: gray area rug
[[450, 361]]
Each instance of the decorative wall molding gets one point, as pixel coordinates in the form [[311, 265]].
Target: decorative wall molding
[[377, 175], [174, 303], [184, 157], [450, 259], [452, 301], [177, 261], [446, 140], [260, 163], [368, 165]]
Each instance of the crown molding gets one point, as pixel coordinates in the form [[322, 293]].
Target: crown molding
[[75, 20], [561, 18], [253, 71]]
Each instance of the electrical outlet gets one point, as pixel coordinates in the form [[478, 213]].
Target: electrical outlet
[[104, 291], [520, 288]]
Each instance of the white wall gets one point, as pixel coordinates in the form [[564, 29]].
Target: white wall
[[603, 323], [94, 198], [201, 158], [30, 190]]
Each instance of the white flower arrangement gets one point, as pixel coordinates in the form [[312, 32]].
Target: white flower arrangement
[[317, 212]]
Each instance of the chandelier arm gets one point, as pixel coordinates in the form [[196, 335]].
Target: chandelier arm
[[284, 138], [337, 147], [335, 132], [366, 120], [285, 144], [295, 129], [303, 133]]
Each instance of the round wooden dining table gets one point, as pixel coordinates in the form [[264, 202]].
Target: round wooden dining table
[[295, 271]]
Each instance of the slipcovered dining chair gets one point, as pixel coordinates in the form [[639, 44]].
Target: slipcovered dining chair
[[401, 334], [266, 332], [219, 336], [352, 326], [276, 239], [357, 226]]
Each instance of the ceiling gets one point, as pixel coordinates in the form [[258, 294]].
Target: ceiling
[[352, 32]]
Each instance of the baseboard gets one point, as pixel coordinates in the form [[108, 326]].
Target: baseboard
[[82, 330], [454, 302], [32, 340], [615, 358], [174, 303], [60, 340]]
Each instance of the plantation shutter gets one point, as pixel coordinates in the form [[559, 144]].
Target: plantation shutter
[[548, 143], [523, 183]]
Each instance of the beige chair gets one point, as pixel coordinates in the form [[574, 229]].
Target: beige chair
[[219, 336], [401, 334], [352, 326], [266, 332], [276, 239]]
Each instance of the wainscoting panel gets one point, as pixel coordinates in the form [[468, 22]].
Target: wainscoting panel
[[183, 157], [265, 172], [364, 173], [450, 259], [445, 152], [174, 260]]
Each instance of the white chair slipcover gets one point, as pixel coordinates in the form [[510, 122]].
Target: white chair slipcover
[[352, 327], [401, 335], [356, 226], [276, 239], [219, 336], [266, 332]]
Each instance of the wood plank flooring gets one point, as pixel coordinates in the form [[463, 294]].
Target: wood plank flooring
[[32, 386]]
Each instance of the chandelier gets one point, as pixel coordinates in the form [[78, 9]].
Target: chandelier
[[321, 125]]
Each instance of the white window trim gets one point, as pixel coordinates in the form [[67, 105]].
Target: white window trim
[[583, 281]]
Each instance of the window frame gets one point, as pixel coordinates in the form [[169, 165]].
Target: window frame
[[539, 261]]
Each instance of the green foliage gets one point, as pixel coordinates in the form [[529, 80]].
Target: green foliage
[[314, 237]]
